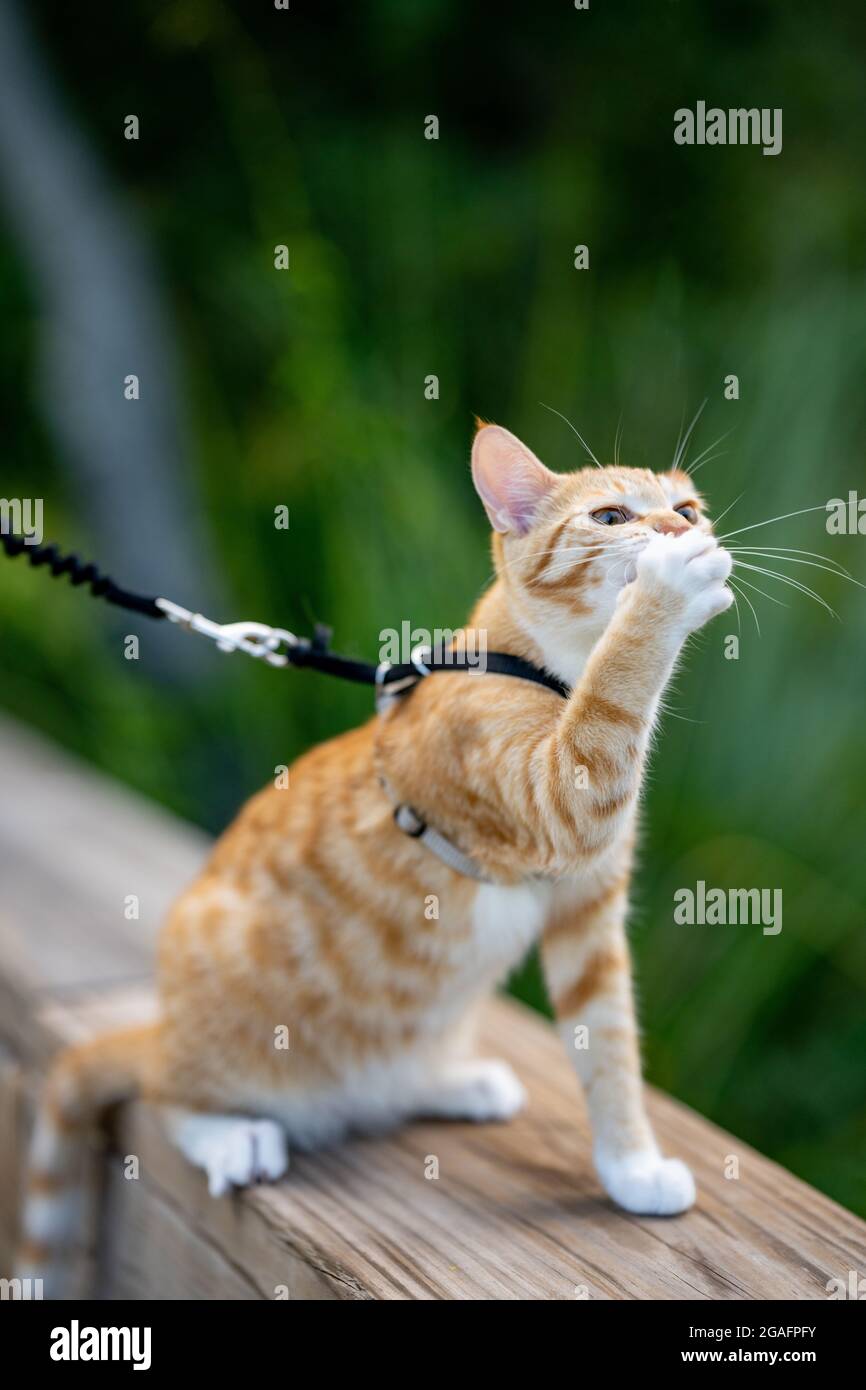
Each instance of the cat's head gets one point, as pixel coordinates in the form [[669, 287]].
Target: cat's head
[[565, 544]]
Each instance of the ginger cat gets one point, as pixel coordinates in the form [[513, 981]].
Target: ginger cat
[[310, 913]]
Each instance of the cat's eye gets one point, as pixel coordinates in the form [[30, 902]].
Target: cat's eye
[[611, 516], [688, 512]]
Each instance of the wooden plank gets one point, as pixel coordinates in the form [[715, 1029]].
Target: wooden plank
[[515, 1211], [151, 1252], [73, 847], [11, 1130], [164, 1237]]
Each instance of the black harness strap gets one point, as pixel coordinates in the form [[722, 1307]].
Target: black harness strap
[[311, 653], [491, 664], [316, 656]]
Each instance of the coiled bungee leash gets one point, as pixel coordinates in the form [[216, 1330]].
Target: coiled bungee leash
[[278, 647]]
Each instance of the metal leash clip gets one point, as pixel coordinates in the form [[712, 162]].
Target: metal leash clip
[[256, 639]]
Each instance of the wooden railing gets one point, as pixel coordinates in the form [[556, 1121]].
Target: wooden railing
[[446, 1211]]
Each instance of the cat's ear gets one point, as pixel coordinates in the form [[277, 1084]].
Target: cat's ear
[[511, 482]]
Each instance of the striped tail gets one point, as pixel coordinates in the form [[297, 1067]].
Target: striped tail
[[81, 1083]]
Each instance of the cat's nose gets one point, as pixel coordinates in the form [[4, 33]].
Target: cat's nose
[[669, 523]]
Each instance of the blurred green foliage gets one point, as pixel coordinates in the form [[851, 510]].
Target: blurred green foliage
[[455, 257]]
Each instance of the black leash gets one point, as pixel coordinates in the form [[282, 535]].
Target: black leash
[[80, 573], [278, 646]]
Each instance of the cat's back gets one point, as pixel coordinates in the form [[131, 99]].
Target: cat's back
[[295, 808]]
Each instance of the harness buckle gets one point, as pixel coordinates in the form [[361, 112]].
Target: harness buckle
[[406, 818], [255, 639], [388, 691], [415, 656]]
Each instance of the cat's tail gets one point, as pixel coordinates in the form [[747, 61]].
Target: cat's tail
[[81, 1083]]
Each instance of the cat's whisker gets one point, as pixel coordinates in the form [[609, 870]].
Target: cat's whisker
[[565, 563], [597, 547], [830, 568], [729, 508], [737, 608], [769, 521], [574, 431], [679, 436], [787, 552], [616, 442], [703, 458], [737, 590], [539, 585], [710, 459], [604, 541], [763, 593], [792, 583], [602, 547], [683, 443], [551, 576]]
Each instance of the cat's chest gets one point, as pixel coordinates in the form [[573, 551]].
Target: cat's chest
[[506, 921]]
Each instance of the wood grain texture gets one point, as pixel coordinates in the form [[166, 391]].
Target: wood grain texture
[[73, 847], [10, 1153], [515, 1212]]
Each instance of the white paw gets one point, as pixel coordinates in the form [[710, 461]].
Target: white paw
[[647, 1184], [690, 571], [482, 1090], [244, 1152]]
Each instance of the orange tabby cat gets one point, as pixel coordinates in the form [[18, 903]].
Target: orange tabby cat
[[310, 915]]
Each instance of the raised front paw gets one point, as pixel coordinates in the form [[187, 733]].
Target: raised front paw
[[647, 1184], [688, 572]]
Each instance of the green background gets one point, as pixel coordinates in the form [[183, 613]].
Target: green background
[[455, 257]]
